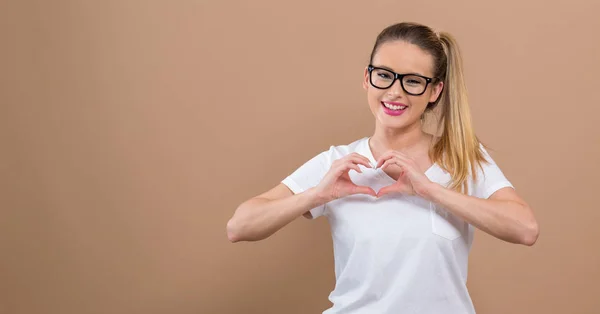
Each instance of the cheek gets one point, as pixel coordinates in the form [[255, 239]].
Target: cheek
[[375, 95], [420, 101], [374, 99]]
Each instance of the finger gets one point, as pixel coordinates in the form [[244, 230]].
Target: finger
[[349, 166], [390, 162], [356, 160], [359, 159], [383, 158], [360, 156], [364, 190], [387, 190], [343, 168], [400, 162], [406, 161]]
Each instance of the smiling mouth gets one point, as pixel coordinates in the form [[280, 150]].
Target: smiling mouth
[[394, 106]]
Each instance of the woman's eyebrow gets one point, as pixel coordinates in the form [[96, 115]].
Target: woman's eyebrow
[[390, 69]]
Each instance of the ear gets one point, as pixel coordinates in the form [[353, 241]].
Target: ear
[[437, 90], [365, 82]]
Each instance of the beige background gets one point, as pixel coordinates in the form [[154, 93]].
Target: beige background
[[131, 130]]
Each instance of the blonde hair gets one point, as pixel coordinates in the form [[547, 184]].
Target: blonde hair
[[458, 151]]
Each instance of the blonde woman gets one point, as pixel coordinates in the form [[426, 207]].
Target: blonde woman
[[402, 204]]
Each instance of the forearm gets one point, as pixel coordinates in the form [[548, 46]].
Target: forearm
[[505, 219], [259, 218]]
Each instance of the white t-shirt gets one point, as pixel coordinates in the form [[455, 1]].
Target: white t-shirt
[[398, 253]]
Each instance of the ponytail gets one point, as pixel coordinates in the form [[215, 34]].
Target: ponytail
[[458, 151]]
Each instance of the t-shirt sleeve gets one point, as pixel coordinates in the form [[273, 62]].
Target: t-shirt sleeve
[[490, 179], [309, 175]]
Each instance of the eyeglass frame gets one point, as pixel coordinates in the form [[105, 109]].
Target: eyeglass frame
[[399, 77]]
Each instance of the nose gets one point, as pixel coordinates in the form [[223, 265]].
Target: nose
[[396, 89]]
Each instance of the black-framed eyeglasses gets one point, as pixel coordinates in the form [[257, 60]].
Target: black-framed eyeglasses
[[412, 84]]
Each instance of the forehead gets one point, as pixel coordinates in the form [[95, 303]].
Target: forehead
[[403, 57]]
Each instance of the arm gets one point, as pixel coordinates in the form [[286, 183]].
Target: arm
[[505, 215], [261, 216]]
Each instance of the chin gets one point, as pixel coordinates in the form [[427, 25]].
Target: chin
[[396, 122]]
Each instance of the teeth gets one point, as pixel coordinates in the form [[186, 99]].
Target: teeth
[[393, 107]]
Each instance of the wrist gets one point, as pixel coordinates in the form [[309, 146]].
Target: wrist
[[430, 191], [316, 197]]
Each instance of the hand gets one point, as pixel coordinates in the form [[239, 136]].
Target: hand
[[336, 183], [412, 180]]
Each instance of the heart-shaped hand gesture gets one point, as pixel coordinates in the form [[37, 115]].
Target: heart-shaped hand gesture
[[337, 183], [412, 180]]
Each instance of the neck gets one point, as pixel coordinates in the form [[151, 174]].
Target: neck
[[403, 140]]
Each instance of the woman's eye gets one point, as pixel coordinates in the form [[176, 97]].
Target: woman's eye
[[384, 75], [413, 82]]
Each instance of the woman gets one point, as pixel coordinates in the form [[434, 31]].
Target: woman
[[402, 204]]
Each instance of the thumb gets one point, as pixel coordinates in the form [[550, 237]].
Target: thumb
[[364, 190], [386, 190]]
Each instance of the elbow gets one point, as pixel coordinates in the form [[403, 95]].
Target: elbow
[[238, 231], [233, 232], [531, 234], [246, 225], [235, 226]]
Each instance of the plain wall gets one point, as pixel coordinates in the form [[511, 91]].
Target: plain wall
[[131, 130]]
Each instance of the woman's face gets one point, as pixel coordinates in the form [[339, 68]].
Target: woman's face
[[402, 58]]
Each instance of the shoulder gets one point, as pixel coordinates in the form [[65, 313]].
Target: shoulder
[[489, 177], [337, 151]]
